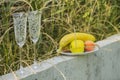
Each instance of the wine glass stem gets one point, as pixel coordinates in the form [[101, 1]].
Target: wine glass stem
[[20, 57], [34, 52]]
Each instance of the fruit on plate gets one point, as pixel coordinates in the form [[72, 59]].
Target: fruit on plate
[[89, 45], [68, 38], [77, 46], [66, 49]]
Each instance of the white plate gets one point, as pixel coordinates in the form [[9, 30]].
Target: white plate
[[77, 54]]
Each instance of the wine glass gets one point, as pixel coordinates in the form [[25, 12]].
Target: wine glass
[[34, 21], [20, 23]]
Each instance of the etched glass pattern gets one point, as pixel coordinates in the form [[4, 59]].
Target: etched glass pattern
[[20, 23], [34, 20]]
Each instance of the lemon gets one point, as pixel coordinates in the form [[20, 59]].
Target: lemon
[[77, 46]]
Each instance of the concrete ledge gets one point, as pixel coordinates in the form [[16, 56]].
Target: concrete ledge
[[102, 64]]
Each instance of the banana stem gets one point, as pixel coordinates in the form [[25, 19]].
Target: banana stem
[[75, 37], [59, 50]]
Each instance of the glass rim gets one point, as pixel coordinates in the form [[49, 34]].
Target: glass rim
[[37, 11], [18, 14]]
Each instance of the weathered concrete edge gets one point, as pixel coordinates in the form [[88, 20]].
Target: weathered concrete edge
[[53, 61]]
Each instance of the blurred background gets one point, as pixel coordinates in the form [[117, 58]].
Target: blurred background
[[100, 18]]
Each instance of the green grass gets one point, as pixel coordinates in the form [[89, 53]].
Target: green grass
[[59, 17]]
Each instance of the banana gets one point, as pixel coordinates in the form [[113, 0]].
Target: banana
[[72, 36]]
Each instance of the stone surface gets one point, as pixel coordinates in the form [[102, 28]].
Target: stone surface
[[102, 64]]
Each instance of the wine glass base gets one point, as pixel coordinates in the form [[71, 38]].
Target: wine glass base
[[35, 65], [21, 71]]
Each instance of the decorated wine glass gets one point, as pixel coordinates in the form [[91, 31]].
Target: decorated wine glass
[[34, 21], [20, 23]]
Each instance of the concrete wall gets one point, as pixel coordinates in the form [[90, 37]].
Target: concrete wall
[[103, 64]]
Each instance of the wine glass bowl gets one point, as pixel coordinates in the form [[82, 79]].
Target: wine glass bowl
[[20, 28]]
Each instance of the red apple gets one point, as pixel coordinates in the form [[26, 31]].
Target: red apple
[[89, 45]]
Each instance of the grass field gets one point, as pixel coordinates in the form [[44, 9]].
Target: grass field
[[59, 17]]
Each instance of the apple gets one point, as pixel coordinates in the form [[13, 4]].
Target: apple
[[77, 46], [89, 45]]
